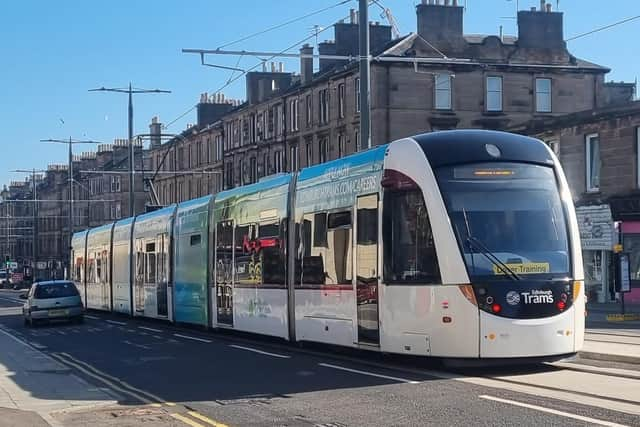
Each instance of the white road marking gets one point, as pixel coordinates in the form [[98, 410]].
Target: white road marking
[[371, 374], [149, 329], [91, 317], [553, 411], [116, 323], [191, 338], [282, 356]]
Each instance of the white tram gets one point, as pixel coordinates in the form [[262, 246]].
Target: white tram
[[458, 244]]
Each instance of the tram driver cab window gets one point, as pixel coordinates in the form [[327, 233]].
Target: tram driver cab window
[[409, 248]]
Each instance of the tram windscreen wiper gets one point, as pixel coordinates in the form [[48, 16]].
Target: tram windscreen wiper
[[472, 241]]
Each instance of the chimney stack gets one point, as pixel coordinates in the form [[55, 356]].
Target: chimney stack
[[306, 64], [155, 131], [541, 29], [441, 24]]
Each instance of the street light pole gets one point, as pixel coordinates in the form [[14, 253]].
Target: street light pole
[[130, 91]]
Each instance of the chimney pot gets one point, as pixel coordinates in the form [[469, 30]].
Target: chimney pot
[[542, 5], [352, 16], [548, 7]]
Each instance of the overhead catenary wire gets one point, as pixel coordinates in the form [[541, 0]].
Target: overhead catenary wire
[[242, 74], [284, 24], [606, 27]]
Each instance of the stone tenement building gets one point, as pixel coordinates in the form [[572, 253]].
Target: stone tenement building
[[98, 199], [600, 153], [436, 78]]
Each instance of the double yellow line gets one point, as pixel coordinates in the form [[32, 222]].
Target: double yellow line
[[124, 388]]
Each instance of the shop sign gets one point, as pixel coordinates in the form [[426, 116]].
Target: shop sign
[[596, 227]]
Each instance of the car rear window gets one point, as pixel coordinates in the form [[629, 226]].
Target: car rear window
[[57, 290]]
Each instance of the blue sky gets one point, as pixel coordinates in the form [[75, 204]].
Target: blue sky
[[53, 52]]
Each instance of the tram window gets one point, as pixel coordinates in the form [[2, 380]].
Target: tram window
[[98, 277], [195, 240], [320, 230], [310, 266], [150, 260], [367, 226], [224, 243], [338, 253], [268, 230], [339, 219], [271, 256], [409, 250]]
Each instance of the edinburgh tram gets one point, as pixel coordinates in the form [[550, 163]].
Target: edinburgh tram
[[457, 244]]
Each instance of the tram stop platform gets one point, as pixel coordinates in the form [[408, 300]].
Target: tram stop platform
[[610, 336]]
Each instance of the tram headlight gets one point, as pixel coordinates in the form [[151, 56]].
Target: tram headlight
[[467, 291]]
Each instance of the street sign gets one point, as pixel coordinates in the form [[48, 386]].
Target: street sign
[[17, 277], [596, 227], [13, 265], [41, 265]]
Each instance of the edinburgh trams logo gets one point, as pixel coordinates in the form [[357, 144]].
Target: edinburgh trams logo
[[513, 298], [538, 297]]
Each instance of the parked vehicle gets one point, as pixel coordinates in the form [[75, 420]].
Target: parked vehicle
[[52, 300]]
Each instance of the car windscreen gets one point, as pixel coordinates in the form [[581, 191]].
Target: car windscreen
[[57, 290]]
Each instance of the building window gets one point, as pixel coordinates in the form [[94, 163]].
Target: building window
[[277, 161], [293, 158], [293, 111], [115, 184], [443, 91], [253, 169], [265, 165], [309, 111], [357, 140], [309, 153], [229, 175], [357, 95], [494, 93], [323, 106], [322, 150], [341, 145], [593, 162], [341, 100], [543, 95], [242, 171]]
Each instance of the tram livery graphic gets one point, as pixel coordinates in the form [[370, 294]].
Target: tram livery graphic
[[457, 244]]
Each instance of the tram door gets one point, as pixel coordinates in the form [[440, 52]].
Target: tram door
[[224, 272], [367, 269]]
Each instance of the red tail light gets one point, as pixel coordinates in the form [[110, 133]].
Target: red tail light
[[561, 305], [496, 308]]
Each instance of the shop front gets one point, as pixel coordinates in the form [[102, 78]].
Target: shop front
[[626, 213]]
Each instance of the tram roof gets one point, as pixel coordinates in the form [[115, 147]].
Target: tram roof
[[470, 146], [262, 185]]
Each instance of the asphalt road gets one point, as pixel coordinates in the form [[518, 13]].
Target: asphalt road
[[200, 378]]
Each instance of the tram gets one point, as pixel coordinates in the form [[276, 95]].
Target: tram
[[457, 244]]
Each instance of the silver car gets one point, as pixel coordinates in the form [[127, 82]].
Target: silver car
[[53, 300]]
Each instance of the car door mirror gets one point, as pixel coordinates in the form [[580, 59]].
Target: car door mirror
[[23, 296]]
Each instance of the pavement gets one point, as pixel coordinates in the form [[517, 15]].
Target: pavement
[[118, 371], [613, 341]]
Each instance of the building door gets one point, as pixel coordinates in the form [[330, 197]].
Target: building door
[[367, 269], [224, 272]]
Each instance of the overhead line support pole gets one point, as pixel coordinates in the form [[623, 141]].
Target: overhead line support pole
[[365, 123]]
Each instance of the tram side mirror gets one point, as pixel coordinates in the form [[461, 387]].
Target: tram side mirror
[[22, 296]]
